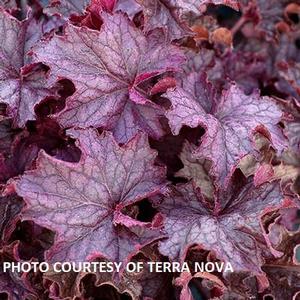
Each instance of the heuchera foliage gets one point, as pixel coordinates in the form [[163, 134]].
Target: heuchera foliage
[[138, 130]]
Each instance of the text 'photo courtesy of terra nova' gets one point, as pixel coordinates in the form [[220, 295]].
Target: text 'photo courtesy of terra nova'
[[150, 149]]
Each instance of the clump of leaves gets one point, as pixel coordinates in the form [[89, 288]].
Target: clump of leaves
[[150, 131]]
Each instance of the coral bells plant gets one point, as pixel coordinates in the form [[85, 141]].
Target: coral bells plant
[[163, 134]]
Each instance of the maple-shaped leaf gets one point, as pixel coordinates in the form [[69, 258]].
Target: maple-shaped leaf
[[229, 124], [83, 202], [106, 69], [21, 85], [231, 229]]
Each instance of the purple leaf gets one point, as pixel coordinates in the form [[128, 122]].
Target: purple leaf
[[232, 228], [291, 73], [80, 201], [66, 8], [130, 7], [161, 14], [229, 126], [106, 69], [293, 133], [199, 62], [21, 85], [13, 285], [9, 5], [173, 15]]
